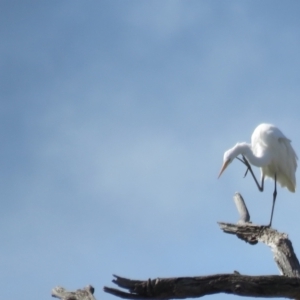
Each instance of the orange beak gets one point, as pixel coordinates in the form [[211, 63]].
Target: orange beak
[[225, 165]]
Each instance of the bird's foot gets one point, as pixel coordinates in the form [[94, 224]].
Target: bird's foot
[[246, 163], [267, 226]]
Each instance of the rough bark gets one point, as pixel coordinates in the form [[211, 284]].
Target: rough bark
[[279, 243], [84, 294], [287, 286], [191, 287]]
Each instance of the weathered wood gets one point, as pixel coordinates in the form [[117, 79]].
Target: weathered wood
[[287, 286], [242, 208], [84, 294], [279, 243], [191, 287]]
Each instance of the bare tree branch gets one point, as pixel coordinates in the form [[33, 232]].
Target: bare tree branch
[[287, 286], [84, 294], [191, 287], [279, 243]]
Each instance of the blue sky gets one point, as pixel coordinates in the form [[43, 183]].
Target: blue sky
[[114, 119]]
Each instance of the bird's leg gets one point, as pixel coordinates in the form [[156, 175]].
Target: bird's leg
[[246, 163], [274, 199], [246, 172]]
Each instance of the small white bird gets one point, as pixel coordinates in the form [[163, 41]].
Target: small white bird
[[272, 152]]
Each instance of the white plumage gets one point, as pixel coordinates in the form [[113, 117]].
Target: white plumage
[[270, 150]]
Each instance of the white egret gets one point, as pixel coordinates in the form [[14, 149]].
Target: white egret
[[272, 152]]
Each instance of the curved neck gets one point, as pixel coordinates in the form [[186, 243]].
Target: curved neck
[[245, 149]]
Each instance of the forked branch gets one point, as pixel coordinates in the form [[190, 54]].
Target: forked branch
[[287, 286]]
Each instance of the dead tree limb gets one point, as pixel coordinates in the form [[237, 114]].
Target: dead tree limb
[[191, 287], [84, 294], [287, 286], [241, 208], [279, 243]]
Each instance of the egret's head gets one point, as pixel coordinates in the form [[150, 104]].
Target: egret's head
[[228, 158]]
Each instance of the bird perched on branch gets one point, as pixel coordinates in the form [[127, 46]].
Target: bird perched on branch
[[272, 152]]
